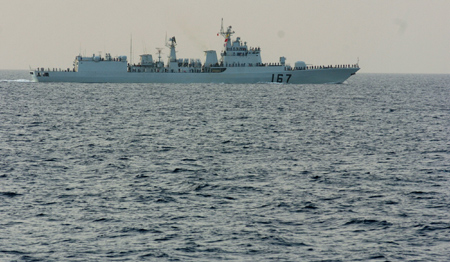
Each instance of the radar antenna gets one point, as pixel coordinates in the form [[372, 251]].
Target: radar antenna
[[171, 44]]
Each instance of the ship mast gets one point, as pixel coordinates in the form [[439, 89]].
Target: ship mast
[[226, 34], [159, 53], [159, 64], [171, 44]]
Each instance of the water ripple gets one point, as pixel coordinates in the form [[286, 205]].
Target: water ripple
[[202, 172]]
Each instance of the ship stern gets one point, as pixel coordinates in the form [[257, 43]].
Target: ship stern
[[34, 76]]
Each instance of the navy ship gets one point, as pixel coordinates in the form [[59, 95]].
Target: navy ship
[[237, 63]]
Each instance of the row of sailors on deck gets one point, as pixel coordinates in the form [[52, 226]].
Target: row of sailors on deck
[[326, 67], [56, 69], [243, 49]]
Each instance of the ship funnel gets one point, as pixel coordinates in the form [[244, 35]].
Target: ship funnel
[[211, 58], [146, 60]]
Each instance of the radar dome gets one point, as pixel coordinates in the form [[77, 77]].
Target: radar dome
[[300, 64]]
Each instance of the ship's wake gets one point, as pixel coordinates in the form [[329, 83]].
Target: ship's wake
[[15, 80]]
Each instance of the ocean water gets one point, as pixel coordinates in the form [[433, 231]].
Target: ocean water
[[216, 172]]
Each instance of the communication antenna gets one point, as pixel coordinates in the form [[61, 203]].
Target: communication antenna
[[131, 49]]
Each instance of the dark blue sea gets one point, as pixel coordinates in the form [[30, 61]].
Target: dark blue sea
[[217, 172]]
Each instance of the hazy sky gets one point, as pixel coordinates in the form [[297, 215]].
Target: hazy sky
[[388, 36]]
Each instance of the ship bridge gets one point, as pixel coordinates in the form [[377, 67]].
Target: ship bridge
[[237, 53]]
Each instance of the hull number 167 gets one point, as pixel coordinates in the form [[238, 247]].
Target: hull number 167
[[280, 77]]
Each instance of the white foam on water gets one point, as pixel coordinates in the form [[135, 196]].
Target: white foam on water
[[16, 80]]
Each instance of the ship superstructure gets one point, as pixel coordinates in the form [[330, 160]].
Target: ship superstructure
[[238, 63]]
